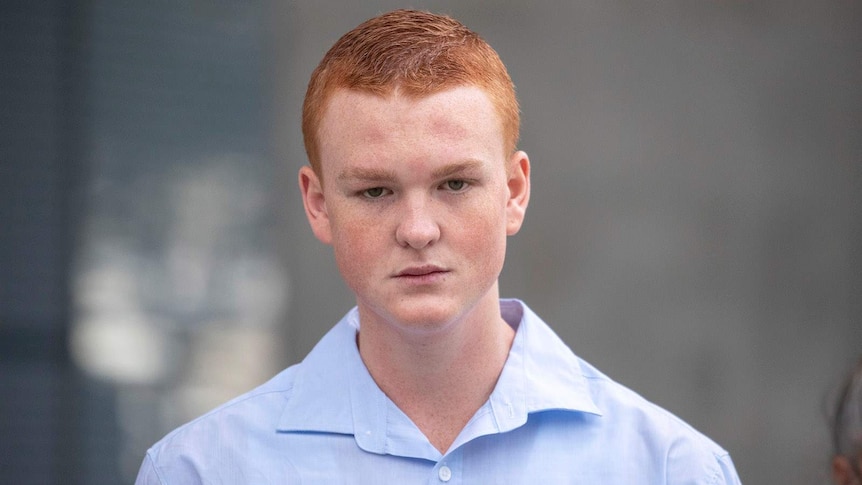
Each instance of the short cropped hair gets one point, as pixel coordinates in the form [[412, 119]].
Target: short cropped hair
[[416, 54]]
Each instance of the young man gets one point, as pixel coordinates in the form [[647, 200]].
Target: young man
[[410, 124]]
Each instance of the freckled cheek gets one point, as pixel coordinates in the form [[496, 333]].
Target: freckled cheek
[[362, 245], [482, 237]]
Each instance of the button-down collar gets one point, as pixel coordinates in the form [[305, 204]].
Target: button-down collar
[[334, 393]]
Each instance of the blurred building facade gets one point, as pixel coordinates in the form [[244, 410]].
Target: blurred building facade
[[143, 281]]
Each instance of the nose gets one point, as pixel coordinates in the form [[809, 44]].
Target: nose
[[418, 227]]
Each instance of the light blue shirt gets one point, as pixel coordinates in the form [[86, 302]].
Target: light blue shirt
[[552, 418]]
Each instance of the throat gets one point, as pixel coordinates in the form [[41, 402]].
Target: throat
[[439, 385], [441, 429], [442, 410]]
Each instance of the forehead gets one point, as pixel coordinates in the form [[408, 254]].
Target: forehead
[[357, 120]]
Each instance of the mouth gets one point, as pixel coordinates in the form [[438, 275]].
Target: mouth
[[421, 273]]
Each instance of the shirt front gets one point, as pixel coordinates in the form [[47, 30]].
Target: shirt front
[[552, 418]]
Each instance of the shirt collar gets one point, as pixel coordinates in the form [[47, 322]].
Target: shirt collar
[[334, 393], [320, 398], [542, 365], [541, 374]]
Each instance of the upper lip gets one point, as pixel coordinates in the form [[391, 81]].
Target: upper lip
[[420, 270]]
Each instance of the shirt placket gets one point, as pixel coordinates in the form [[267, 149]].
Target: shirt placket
[[448, 470]]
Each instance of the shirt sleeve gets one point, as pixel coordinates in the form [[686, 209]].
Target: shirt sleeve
[[147, 475], [728, 471], [695, 460]]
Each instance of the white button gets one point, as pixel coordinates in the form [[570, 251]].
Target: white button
[[444, 473]]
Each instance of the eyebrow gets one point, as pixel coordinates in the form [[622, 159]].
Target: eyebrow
[[456, 168], [364, 174]]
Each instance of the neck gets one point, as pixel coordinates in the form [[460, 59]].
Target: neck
[[438, 379]]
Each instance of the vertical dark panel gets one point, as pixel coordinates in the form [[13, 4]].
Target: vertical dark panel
[[30, 202], [38, 161]]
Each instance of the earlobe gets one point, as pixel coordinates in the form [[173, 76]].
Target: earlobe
[[518, 170], [842, 470], [314, 202]]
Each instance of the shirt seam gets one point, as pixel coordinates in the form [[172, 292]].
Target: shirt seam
[[241, 400], [711, 479], [222, 408], [719, 458], [152, 461]]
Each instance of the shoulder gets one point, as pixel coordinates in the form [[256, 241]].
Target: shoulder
[[229, 436], [685, 454], [260, 407], [638, 441]]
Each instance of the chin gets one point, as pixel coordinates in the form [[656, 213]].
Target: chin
[[422, 321], [423, 313], [432, 316], [418, 317]]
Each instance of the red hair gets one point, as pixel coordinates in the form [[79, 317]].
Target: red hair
[[417, 54]]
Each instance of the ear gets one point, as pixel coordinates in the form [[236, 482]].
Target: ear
[[518, 170], [315, 204], [842, 471]]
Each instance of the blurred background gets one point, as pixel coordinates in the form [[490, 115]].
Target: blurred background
[[694, 231]]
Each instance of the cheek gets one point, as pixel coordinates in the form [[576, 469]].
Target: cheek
[[484, 234], [356, 246]]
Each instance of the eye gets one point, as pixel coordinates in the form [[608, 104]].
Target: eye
[[455, 185], [374, 192]]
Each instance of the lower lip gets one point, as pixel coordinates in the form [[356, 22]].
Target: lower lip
[[423, 279]]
